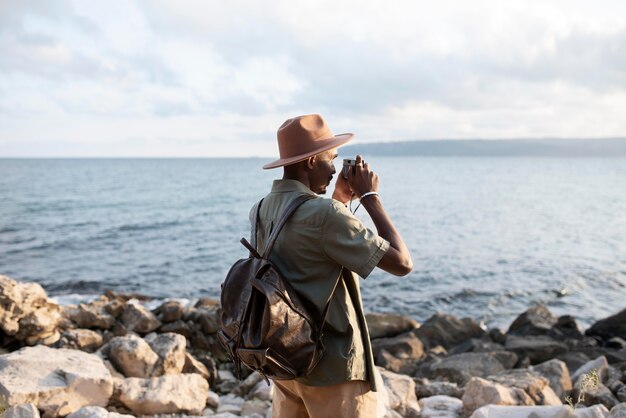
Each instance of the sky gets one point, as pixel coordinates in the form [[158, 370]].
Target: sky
[[217, 78]]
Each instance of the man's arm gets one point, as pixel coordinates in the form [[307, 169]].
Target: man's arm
[[397, 260]]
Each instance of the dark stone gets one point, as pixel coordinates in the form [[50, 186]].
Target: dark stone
[[616, 343], [422, 369], [607, 328], [497, 336], [208, 361], [448, 331], [474, 345], [406, 345], [387, 325], [566, 327], [200, 341], [425, 388], [537, 348], [125, 297], [460, 368], [179, 327], [398, 354], [115, 308], [209, 319], [170, 311], [397, 365], [598, 395], [613, 356], [207, 303], [537, 320], [118, 330]]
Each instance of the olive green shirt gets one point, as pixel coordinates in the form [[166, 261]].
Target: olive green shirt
[[319, 240]]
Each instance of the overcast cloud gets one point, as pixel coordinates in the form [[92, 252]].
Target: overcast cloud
[[216, 78]]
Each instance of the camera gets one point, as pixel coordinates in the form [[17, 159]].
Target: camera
[[347, 164]]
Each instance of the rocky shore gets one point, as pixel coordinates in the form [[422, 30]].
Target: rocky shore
[[115, 358]]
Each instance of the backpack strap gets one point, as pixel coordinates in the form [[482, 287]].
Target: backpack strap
[[255, 223], [295, 204], [251, 246]]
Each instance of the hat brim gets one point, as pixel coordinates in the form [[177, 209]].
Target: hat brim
[[325, 145]]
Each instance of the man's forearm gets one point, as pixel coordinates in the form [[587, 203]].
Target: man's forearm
[[383, 224]]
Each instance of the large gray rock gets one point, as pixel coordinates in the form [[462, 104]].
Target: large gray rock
[[132, 356], [557, 374], [169, 394], [57, 381], [170, 311], [248, 383], [386, 325], [537, 348], [607, 328], [480, 392], [425, 388], [262, 391], [137, 318], [498, 411], [574, 359], [595, 411], [179, 327], [599, 394], [96, 412], [476, 345], [600, 365], [171, 349], [448, 331], [398, 354], [401, 393], [460, 368], [18, 300], [27, 410], [192, 365], [566, 327], [535, 385], [41, 325], [440, 407], [80, 339], [231, 403], [90, 315], [255, 406], [618, 388], [537, 320], [618, 411]]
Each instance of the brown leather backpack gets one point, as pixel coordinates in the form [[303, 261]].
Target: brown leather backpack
[[265, 325]]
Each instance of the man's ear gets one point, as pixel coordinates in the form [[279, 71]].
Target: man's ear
[[310, 162]]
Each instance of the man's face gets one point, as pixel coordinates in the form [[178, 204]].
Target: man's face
[[323, 171]]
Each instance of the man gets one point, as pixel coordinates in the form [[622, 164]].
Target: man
[[321, 249]]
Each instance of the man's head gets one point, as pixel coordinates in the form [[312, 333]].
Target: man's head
[[316, 171], [303, 137]]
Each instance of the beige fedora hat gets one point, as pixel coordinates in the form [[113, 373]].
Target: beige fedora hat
[[304, 136]]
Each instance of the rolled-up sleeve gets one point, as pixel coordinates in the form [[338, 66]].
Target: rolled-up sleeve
[[349, 243]]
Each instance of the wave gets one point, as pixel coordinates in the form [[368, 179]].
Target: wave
[[148, 226]]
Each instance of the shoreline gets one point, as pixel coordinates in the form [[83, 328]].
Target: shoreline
[[164, 358]]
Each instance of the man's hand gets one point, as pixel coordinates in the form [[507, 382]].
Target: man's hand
[[362, 179], [342, 192]]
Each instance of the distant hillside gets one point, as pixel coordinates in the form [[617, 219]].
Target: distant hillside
[[609, 147]]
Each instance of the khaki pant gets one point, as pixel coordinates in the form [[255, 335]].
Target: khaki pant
[[352, 399]]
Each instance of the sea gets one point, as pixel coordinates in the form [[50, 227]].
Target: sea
[[489, 237]]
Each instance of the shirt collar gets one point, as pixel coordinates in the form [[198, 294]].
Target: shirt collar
[[288, 185]]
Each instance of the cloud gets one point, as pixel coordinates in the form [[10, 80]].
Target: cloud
[[211, 75]]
